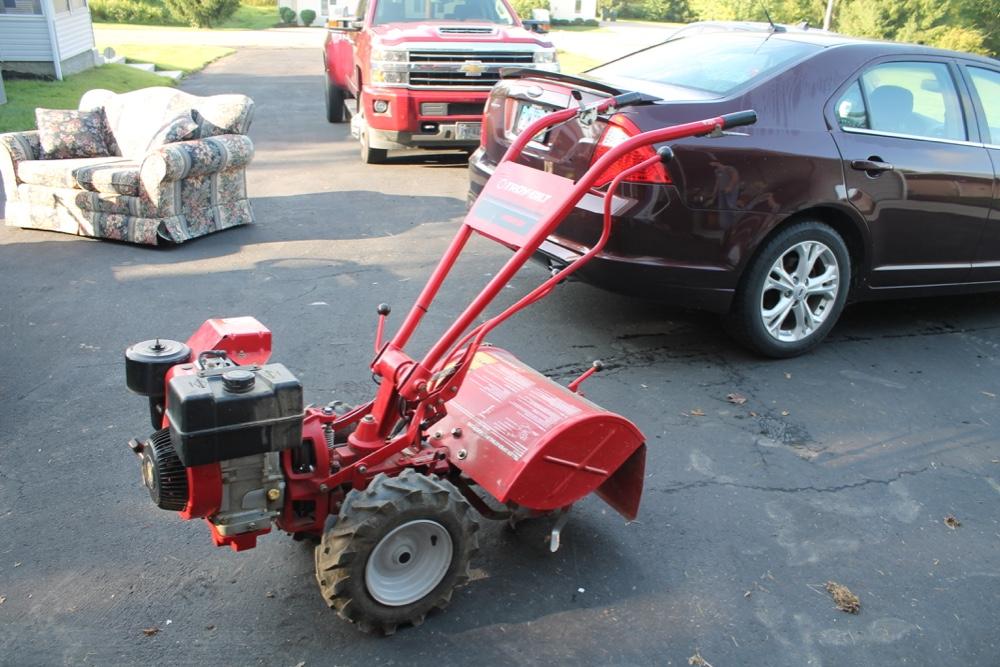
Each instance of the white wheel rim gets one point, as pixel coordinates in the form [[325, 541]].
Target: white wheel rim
[[799, 291], [408, 563]]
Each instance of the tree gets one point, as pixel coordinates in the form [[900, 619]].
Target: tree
[[202, 13], [962, 25]]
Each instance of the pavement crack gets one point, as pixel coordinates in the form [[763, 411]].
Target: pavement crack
[[796, 489]]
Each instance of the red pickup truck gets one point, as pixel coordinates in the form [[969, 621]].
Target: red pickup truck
[[416, 73]]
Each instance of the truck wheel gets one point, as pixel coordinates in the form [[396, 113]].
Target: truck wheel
[[371, 155], [334, 103], [397, 551], [793, 292]]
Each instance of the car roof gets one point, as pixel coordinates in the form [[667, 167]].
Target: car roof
[[822, 38]]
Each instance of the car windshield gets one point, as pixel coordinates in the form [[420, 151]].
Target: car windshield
[[488, 11], [716, 64]]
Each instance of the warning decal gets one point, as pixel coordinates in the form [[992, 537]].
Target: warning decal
[[511, 407]]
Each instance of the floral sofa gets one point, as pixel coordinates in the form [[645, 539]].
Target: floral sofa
[[142, 192]]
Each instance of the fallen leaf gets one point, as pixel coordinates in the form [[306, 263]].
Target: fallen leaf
[[788, 376], [736, 399], [269, 594], [784, 413], [3, 599], [843, 597], [697, 412], [753, 414], [952, 522], [698, 661], [17, 565], [747, 594], [149, 632], [301, 664], [210, 627], [989, 393]]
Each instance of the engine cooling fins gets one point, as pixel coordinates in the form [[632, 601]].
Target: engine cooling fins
[[163, 473]]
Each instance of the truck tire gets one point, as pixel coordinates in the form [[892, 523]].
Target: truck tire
[[397, 551], [334, 103], [371, 155]]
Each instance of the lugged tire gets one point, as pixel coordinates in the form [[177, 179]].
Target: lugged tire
[[365, 518], [334, 103]]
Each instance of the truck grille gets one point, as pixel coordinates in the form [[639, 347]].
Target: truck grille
[[505, 57], [443, 69]]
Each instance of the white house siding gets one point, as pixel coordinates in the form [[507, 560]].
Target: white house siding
[[573, 9], [24, 39], [74, 32]]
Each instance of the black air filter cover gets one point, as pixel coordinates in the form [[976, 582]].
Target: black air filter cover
[[147, 363]]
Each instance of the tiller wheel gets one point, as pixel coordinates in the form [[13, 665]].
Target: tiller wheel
[[389, 486]]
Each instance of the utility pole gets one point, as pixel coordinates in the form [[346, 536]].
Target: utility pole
[[828, 16]]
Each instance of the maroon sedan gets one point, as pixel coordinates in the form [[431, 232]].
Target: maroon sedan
[[871, 173]]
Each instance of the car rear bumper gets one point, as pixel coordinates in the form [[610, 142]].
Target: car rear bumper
[[705, 286]]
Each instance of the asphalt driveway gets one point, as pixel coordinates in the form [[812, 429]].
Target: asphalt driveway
[[840, 466]]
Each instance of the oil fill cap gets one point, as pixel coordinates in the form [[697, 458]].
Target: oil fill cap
[[238, 381]]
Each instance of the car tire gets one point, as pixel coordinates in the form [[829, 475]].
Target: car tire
[[371, 155], [792, 292], [334, 103]]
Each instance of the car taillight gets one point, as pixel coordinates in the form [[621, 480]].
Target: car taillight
[[618, 130]]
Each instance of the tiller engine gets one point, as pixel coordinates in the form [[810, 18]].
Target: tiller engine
[[392, 487]]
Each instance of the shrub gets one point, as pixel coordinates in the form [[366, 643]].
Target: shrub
[[524, 7], [202, 13], [287, 15], [307, 16], [144, 12], [593, 23]]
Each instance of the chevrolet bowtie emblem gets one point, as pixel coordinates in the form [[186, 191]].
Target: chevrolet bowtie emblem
[[472, 68]]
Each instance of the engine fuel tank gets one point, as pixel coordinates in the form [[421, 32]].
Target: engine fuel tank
[[527, 440]]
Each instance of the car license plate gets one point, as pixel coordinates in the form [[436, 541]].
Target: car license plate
[[467, 130], [526, 115]]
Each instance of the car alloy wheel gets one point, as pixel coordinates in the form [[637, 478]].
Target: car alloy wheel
[[792, 290], [799, 292]]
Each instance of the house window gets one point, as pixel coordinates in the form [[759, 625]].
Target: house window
[[579, 6], [25, 7]]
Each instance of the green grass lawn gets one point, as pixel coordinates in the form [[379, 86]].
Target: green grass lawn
[[24, 95], [574, 63], [187, 59]]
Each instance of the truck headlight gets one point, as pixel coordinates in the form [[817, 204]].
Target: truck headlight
[[546, 56], [388, 55], [389, 66]]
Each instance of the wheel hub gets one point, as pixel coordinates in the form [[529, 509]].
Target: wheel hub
[[799, 291], [409, 562]]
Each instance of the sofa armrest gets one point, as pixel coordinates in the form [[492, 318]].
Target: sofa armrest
[[197, 157], [16, 147]]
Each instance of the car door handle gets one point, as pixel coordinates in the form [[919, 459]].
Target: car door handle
[[871, 165]]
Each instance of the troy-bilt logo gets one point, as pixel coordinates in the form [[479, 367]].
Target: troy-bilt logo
[[523, 191]]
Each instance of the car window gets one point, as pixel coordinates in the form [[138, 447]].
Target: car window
[[714, 63], [987, 85], [850, 108], [915, 98]]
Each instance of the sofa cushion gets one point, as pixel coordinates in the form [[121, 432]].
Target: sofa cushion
[[64, 133], [179, 128], [135, 117], [111, 175]]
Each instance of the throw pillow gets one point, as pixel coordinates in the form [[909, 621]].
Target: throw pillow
[[179, 128], [66, 133]]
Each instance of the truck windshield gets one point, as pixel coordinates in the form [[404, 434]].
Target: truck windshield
[[486, 11], [716, 64]]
